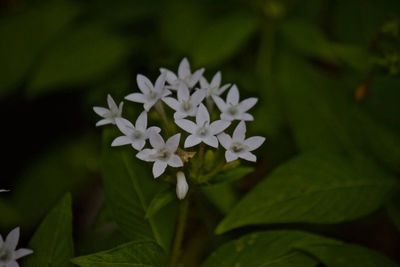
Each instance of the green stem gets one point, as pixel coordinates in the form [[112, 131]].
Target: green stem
[[179, 233]]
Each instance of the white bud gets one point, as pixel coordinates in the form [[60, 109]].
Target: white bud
[[182, 186]]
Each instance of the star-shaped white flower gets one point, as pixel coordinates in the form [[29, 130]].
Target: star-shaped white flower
[[162, 153], [202, 130], [109, 115], [214, 87], [232, 109], [8, 253], [134, 135], [239, 147], [186, 104], [182, 186], [150, 94], [185, 75]]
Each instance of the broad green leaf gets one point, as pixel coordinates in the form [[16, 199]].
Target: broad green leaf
[[160, 201], [61, 169], [393, 210], [223, 38], [52, 242], [313, 188], [129, 188], [133, 254], [274, 248], [344, 255], [84, 55], [26, 34]]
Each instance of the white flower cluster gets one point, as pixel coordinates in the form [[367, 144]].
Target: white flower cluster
[[191, 97], [8, 252]]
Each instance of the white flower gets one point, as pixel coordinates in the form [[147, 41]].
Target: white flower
[[232, 109], [239, 147], [150, 93], [182, 186], [162, 154], [214, 87], [109, 114], [134, 135], [185, 75], [8, 254], [202, 130], [186, 104]]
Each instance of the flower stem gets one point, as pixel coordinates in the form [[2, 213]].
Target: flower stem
[[179, 233]]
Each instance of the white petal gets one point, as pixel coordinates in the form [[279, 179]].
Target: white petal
[[160, 83], [104, 122], [121, 141], [184, 69], [173, 142], [179, 115], [195, 77], [153, 128], [138, 144], [148, 105], [141, 121], [248, 156], [239, 134], [220, 103], [225, 140], [219, 126], [121, 105], [246, 117], [187, 125], [227, 117], [170, 76], [22, 252], [101, 111], [203, 83], [211, 141], [182, 186], [12, 264], [111, 103], [198, 96], [247, 104], [254, 142], [175, 161], [159, 168], [202, 115], [145, 155], [222, 89], [125, 126], [144, 84], [216, 80], [233, 95], [136, 97], [12, 239], [192, 140], [230, 156], [183, 92], [171, 102], [156, 140]]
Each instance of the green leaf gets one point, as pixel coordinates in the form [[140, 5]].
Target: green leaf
[[221, 195], [313, 188], [83, 56], [218, 42], [160, 201], [227, 175], [52, 243], [274, 248], [26, 34], [343, 255], [129, 188], [134, 254], [393, 210]]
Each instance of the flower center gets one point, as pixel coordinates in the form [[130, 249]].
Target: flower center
[[186, 106], [137, 134], [152, 95], [203, 130], [163, 154], [5, 254], [232, 110], [238, 147]]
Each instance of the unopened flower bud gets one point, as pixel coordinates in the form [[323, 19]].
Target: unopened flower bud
[[182, 186]]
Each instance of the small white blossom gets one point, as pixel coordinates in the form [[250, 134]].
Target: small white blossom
[[8, 253], [162, 154], [134, 135], [214, 87], [185, 75], [232, 109], [186, 104], [109, 115], [202, 130], [239, 147], [150, 94], [182, 186]]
